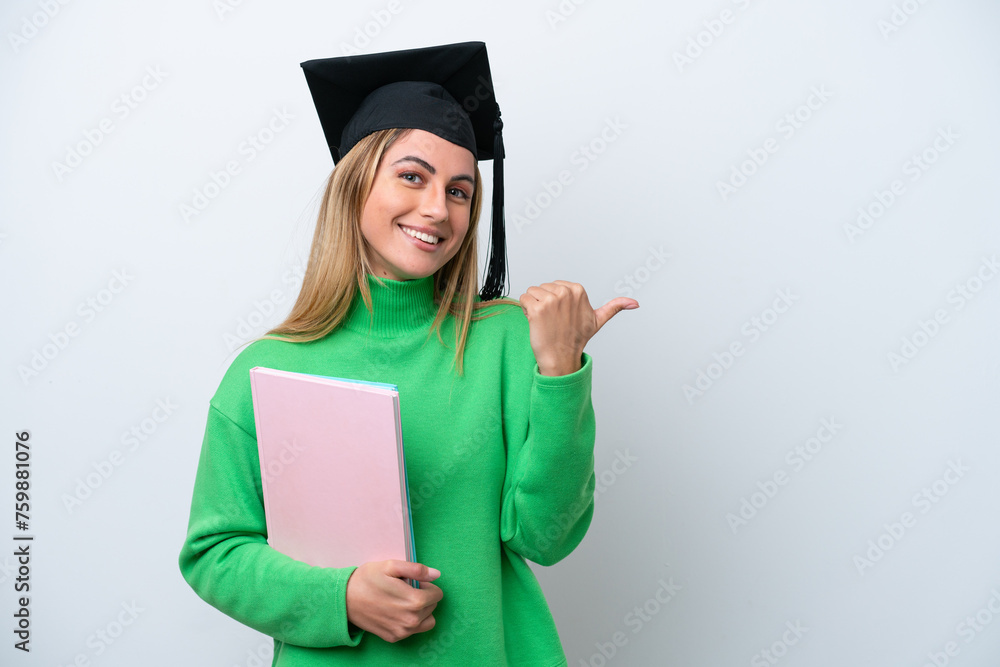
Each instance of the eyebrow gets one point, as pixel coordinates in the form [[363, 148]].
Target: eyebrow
[[427, 165]]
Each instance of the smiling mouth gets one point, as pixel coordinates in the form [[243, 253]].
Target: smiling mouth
[[426, 238]]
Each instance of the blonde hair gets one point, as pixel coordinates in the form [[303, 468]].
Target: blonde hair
[[338, 261]]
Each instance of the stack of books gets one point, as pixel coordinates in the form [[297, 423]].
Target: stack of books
[[332, 468]]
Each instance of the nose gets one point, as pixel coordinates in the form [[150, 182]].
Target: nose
[[434, 204]]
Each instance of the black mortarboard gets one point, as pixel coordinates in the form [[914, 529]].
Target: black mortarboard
[[446, 90]]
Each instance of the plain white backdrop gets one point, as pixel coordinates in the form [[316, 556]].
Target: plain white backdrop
[[797, 445]]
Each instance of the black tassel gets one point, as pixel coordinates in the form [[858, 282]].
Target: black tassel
[[495, 284]]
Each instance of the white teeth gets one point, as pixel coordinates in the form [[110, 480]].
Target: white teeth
[[420, 235]]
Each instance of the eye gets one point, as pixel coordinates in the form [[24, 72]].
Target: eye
[[410, 177], [458, 192]]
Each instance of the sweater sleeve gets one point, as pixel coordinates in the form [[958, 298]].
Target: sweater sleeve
[[548, 493], [227, 561]]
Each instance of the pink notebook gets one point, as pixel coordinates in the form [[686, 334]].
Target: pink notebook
[[332, 468]]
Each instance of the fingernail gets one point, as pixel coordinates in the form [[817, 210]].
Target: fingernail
[[631, 306], [434, 573]]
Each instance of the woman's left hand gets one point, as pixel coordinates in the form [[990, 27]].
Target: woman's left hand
[[561, 321]]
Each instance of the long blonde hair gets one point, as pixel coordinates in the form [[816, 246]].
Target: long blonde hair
[[338, 261]]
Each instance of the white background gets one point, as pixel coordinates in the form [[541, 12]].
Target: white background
[[885, 81]]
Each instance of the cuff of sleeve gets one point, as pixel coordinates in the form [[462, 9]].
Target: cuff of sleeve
[[348, 633], [581, 375]]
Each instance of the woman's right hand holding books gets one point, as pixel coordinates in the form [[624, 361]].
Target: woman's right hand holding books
[[380, 601]]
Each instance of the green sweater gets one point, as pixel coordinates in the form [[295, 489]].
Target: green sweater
[[500, 468]]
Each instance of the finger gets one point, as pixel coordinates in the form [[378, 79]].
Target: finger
[[546, 292], [427, 624], [612, 308], [536, 293], [402, 569], [431, 593], [566, 283], [561, 287]]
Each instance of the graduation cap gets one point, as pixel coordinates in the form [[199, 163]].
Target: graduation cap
[[446, 90]]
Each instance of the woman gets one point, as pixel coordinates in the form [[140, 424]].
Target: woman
[[497, 421]]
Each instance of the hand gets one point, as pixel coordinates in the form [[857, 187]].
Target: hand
[[381, 602], [561, 321]]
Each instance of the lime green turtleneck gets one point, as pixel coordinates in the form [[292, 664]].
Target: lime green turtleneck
[[500, 468]]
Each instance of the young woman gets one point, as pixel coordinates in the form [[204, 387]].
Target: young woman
[[498, 425]]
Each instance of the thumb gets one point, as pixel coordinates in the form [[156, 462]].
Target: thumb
[[612, 308], [402, 569]]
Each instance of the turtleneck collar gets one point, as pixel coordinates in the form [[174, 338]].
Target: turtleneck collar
[[399, 307]]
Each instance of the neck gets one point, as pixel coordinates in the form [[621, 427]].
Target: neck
[[399, 307]]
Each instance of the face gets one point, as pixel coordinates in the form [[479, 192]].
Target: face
[[418, 212]]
